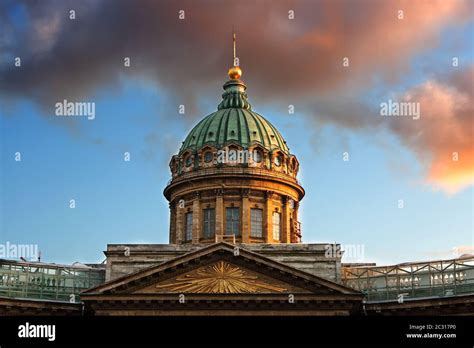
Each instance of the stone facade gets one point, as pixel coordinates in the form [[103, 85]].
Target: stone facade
[[220, 279], [124, 259]]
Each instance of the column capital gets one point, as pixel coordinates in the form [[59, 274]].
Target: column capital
[[179, 202], [268, 194]]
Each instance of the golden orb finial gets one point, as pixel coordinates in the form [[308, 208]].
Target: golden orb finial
[[235, 72]]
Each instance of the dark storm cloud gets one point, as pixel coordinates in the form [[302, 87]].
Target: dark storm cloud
[[284, 61], [281, 57]]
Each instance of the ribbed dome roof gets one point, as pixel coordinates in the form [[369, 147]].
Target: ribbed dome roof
[[234, 122]]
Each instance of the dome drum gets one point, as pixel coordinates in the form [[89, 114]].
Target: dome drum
[[235, 213], [234, 155]]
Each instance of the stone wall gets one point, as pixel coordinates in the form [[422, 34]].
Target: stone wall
[[123, 259]]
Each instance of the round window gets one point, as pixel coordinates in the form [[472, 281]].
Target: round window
[[189, 161], [257, 156], [208, 156], [278, 160]]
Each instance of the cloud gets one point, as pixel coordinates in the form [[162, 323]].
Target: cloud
[[288, 61], [463, 250], [443, 137], [281, 57]]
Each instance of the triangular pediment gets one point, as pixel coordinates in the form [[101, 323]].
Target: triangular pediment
[[221, 277], [220, 268]]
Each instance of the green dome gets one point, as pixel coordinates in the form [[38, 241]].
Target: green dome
[[236, 123]]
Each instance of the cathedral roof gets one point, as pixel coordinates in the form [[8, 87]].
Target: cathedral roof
[[234, 122]]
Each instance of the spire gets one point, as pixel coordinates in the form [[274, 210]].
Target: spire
[[234, 48], [235, 72], [234, 95]]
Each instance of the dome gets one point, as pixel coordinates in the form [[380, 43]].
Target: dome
[[234, 177], [234, 135], [234, 123]]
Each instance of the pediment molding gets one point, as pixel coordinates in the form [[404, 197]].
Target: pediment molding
[[240, 273]]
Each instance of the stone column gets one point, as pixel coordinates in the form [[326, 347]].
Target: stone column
[[285, 221], [196, 217], [245, 216], [219, 213], [179, 234], [295, 237], [172, 236], [268, 217]]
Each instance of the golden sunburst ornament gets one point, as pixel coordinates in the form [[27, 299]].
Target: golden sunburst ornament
[[222, 278]]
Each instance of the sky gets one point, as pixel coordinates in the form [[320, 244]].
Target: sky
[[399, 188]]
